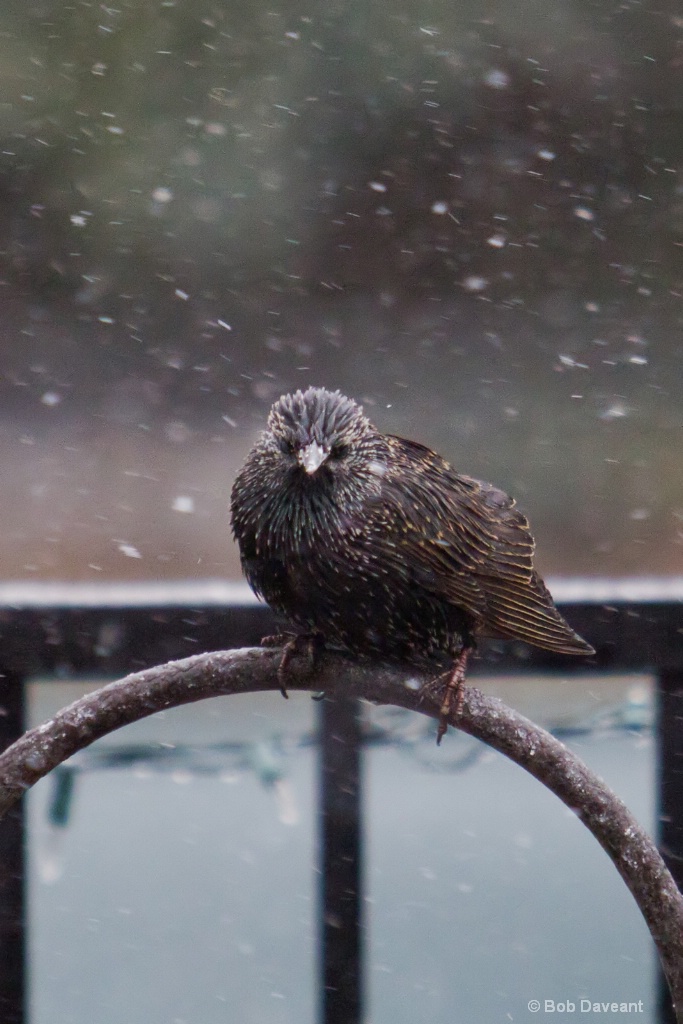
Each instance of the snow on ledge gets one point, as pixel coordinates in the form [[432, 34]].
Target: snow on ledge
[[221, 593], [143, 594]]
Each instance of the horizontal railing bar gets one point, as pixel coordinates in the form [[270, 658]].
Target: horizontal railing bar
[[27, 594]]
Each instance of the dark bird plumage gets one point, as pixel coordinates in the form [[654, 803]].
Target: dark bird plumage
[[376, 543]]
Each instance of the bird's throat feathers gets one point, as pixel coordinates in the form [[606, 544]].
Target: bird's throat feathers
[[295, 511]]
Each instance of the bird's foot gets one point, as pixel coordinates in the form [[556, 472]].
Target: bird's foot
[[294, 644], [276, 639], [450, 686]]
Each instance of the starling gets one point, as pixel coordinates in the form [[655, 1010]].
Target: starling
[[374, 543]]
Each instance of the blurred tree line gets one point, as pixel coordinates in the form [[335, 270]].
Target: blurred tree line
[[467, 215]]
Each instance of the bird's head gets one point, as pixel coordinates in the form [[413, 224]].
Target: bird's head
[[322, 434]]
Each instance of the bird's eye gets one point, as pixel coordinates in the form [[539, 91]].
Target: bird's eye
[[286, 447], [340, 451]]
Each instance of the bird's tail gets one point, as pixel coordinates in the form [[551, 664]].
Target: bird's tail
[[525, 611]]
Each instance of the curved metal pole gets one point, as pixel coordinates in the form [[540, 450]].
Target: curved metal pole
[[632, 851]]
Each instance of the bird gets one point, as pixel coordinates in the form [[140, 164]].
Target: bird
[[374, 543]]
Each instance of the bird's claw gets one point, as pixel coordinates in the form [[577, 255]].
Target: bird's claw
[[309, 644], [452, 694], [277, 639]]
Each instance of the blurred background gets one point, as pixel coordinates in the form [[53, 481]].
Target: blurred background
[[177, 882], [467, 216]]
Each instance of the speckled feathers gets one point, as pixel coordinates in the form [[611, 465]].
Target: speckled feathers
[[317, 415], [378, 544]]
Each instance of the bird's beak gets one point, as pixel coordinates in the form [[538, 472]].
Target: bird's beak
[[312, 457]]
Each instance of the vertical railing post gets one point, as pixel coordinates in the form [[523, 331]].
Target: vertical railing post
[[341, 850], [670, 792], [12, 885]]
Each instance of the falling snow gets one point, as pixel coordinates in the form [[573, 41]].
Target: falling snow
[[497, 79], [474, 283], [129, 550]]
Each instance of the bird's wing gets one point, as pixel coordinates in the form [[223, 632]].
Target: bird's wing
[[462, 529], [527, 613], [469, 544]]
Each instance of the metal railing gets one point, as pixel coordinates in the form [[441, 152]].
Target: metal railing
[[110, 630]]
